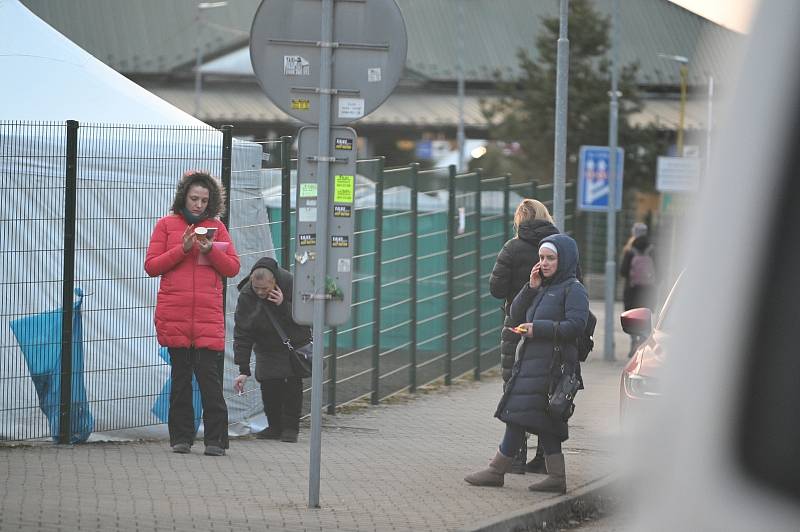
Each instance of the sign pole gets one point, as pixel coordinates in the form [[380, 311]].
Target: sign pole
[[611, 225], [320, 265], [286, 40]]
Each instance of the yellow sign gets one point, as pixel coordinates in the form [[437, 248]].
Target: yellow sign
[[301, 104], [343, 189]]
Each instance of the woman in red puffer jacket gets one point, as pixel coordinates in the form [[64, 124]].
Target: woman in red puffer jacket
[[192, 252]]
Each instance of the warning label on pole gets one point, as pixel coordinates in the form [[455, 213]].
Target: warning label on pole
[[342, 211], [343, 189], [340, 241], [308, 239]]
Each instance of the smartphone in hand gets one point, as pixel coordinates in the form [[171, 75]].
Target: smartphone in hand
[[210, 232]]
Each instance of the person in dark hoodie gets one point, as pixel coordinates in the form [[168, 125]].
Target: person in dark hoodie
[[532, 223], [268, 288], [637, 267], [552, 308]]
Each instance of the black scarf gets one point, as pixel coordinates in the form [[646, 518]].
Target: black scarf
[[191, 218]]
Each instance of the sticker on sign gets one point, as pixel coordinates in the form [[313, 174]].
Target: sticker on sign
[[677, 174], [351, 107], [295, 65]]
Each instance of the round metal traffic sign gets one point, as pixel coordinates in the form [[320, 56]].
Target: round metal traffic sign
[[369, 54]]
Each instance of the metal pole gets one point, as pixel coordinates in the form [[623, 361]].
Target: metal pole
[[611, 225], [68, 284], [286, 201], [376, 304], [460, 75], [198, 62], [709, 123], [682, 119], [332, 374], [562, 78], [320, 265], [451, 244], [227, 156], [478, 284], [506, 208], [412, 366]]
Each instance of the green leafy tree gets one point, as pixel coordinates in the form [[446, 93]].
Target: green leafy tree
[[525, 111]]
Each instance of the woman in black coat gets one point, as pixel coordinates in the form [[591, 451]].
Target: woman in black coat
[[553, 309], [270, 287], [532, 223]]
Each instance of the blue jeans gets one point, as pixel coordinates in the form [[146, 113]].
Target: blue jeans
[[515, 435]]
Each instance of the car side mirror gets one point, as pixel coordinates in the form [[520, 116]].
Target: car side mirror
[[637, 321]]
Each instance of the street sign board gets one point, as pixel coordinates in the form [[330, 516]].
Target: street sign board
[[341, 215], [593, 170], [369, 46], [677, 174]]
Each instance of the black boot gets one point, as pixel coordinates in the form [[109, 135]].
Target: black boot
[[518, 464], [537, 464]]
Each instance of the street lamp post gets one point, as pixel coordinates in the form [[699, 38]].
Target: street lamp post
[[684, 73], [198, 78], [460, 137], [611, 215], [560, 148], [666, 202]]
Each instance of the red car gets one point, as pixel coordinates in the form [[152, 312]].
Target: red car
[[640, 378]]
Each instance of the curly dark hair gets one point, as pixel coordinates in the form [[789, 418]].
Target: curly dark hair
[[216, 194]]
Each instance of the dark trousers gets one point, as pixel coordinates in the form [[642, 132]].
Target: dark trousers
[[283, 400], [515, 435], [204, 364]]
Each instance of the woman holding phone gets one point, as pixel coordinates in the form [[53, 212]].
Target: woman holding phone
[[532, 223], [552, 308], [191, 250]]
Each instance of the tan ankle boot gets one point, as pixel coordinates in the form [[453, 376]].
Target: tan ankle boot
[[494, 474], [556, 481]]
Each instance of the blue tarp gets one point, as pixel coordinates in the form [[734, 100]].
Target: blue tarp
[[39, 338], [161, 405]]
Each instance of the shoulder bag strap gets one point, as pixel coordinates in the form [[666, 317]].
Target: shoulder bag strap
[[277, 326], [556, 346]]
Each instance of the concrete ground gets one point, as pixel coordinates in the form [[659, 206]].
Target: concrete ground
[[396, 466]]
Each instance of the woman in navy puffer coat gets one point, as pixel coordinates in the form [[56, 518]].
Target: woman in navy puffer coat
[[553, 308]]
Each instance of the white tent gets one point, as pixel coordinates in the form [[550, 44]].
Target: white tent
[[48, 77], [126, 179]]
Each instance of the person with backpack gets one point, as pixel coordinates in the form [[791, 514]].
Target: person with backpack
[[512, 269], [552, 309], [638, 268]]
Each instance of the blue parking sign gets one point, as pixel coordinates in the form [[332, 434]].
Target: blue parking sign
[[593, 178]]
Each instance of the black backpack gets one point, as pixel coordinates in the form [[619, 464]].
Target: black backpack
[[584, 341]]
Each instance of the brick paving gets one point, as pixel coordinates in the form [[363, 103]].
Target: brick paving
[[396, 466]]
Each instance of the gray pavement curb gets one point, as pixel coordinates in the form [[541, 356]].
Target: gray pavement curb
[[587, 498]]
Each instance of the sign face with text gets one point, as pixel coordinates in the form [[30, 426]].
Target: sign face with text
[[677, 174], [287, 59], [593, 175], [338, 287]]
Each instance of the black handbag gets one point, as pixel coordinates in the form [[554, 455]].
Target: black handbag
[[561, 403], [561, 400], [300, 358]]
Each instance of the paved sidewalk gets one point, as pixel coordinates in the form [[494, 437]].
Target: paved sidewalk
[[392, 467]]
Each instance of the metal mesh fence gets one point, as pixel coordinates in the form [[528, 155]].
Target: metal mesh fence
[[32, 166], [425, 243]]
